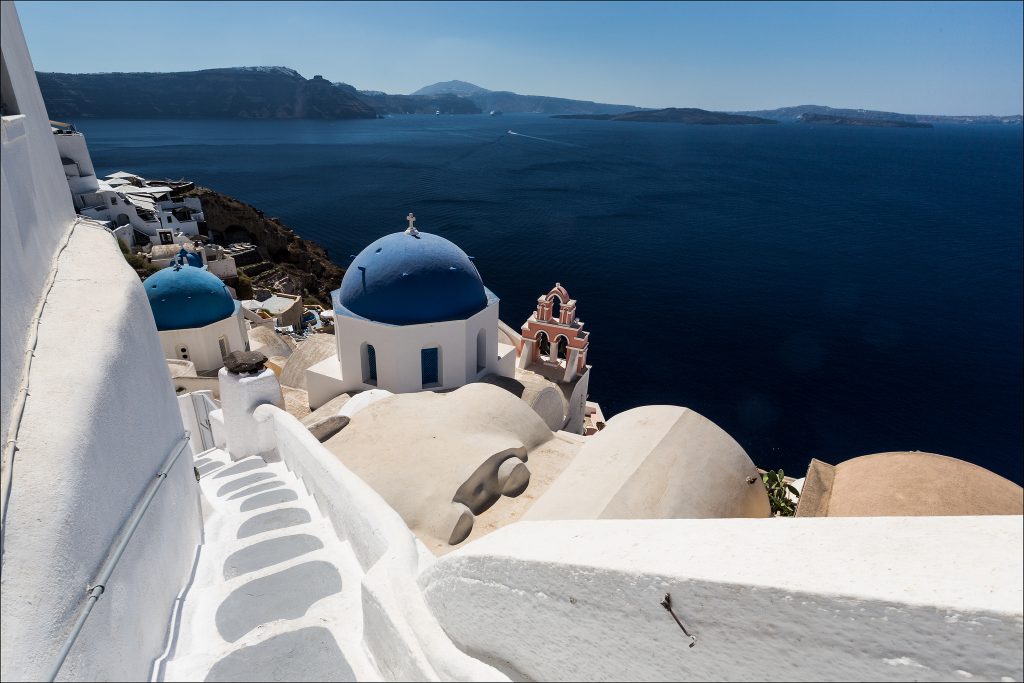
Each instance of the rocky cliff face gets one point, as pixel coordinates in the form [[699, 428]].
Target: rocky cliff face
[[245, 92], [290, 264]]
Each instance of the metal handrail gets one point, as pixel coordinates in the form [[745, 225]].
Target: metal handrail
[[96, 590]]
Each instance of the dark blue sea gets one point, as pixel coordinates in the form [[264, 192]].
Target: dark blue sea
[[816, 291]]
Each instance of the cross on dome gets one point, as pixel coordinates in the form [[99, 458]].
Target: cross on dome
[[411, 230]]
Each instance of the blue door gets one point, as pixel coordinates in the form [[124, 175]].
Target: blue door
[[429, 366], [371, 364]]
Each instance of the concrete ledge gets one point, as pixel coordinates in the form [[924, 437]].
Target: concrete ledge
[[897, 598]]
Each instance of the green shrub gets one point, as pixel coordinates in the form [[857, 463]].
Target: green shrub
[[775, 484], [244, 287], [140, 264]]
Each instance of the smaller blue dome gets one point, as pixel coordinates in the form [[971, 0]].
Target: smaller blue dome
[[183, 297], [188, 258]]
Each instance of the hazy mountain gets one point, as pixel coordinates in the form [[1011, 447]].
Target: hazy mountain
[[460, 88], [243, 92], [514, 103], [383, 103], [692, 116], [794, 113]]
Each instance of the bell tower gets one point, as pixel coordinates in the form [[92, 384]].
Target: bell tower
[[554, 336]]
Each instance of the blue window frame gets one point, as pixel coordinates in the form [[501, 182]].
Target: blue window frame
[[371, 365], [430, 366]]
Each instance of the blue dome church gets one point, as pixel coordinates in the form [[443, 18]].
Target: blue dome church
[[412, 314], [195, 315]]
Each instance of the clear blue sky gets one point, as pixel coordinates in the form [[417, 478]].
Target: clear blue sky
[[915, 57]]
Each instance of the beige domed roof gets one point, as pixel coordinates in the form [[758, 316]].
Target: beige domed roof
[[656, 462], [906, 484]]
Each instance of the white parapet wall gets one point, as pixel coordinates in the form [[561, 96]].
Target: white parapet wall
[[35, 203], [880, 598], [399, 631], [100, 420]]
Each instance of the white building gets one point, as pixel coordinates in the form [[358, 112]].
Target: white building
[[156, 213], [137, 210], [213, 257], [285, 309], [197, 319], [412, 314]]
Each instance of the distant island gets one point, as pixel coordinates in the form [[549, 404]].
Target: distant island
[[691, 116], [851, 121], [793, 114]]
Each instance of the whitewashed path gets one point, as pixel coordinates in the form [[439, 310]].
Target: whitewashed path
[[275, 594]]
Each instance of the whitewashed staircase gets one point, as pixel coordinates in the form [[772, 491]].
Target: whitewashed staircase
[[275, 595]]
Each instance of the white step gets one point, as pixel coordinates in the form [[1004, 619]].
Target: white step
[[275, 595]]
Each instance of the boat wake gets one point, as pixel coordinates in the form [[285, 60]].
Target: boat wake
[[532, 137]]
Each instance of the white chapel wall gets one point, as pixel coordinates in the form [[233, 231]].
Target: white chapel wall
[[203, 342]]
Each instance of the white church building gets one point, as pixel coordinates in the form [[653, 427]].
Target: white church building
[[196, 317], [412, 314]]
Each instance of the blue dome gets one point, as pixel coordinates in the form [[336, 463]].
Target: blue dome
[[186, 257], [184, 297], [404, 279]]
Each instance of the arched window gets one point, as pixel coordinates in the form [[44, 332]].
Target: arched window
[[556, 307], [562, 345], [543, 344], [481, 350], [369, 364]]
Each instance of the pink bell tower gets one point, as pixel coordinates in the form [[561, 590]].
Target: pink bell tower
[[554, 336]]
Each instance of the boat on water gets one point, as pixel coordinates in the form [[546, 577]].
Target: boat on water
[[437, 112], [495, 112]]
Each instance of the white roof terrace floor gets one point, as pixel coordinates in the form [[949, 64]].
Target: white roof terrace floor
[[275, 595]]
